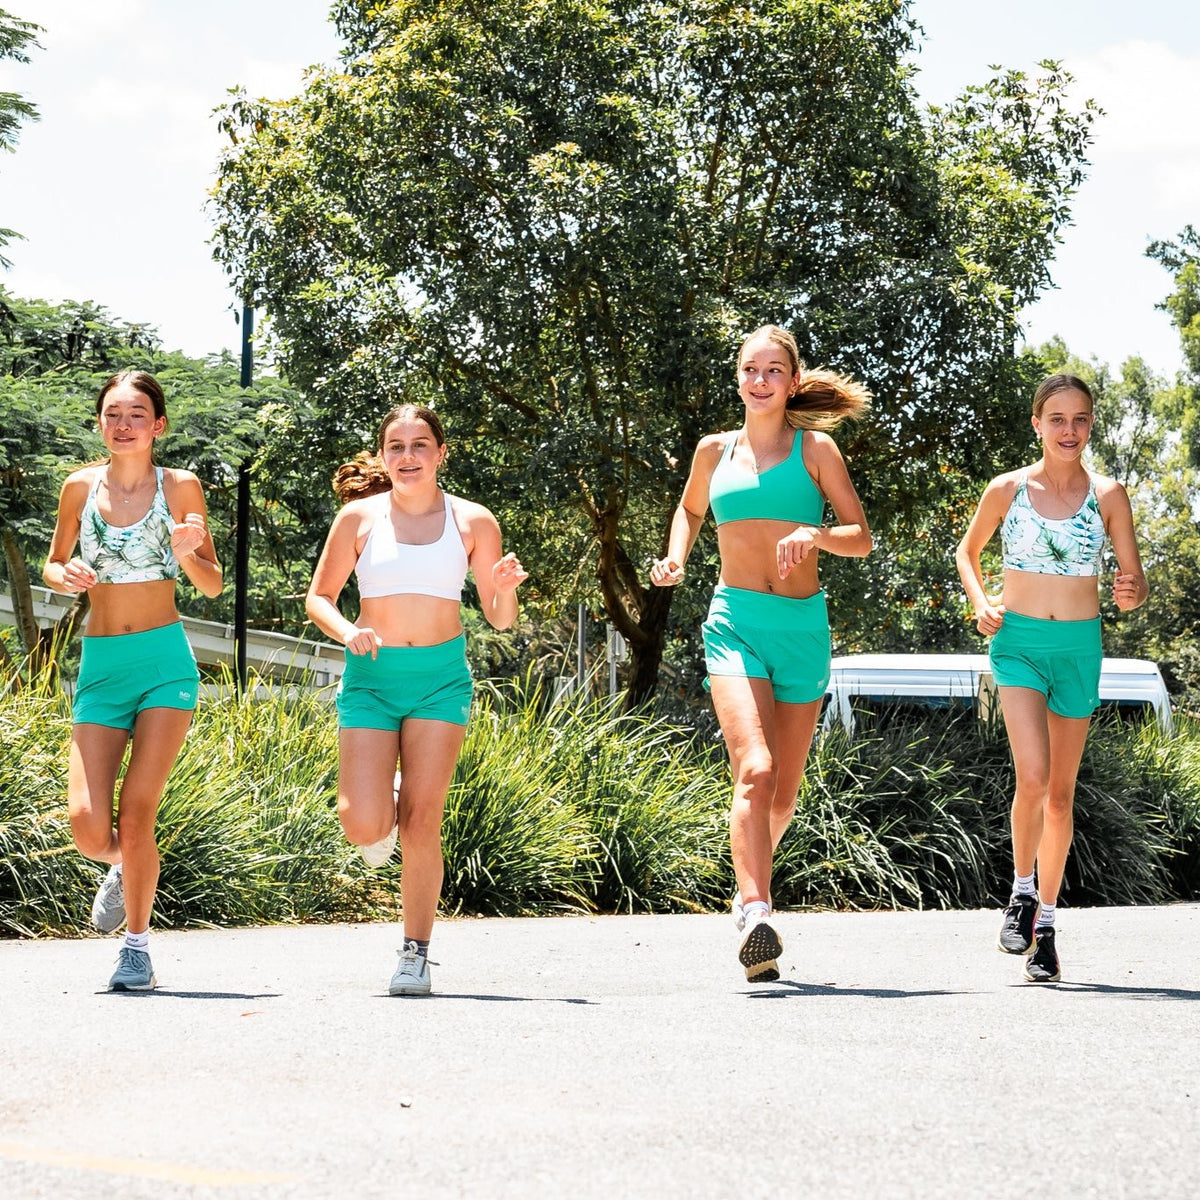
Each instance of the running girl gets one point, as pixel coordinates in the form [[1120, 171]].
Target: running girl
[[137, 526], [406, 691], [1054, 517], [766, 639]]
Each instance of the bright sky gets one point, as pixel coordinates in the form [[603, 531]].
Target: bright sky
[[109, 187]]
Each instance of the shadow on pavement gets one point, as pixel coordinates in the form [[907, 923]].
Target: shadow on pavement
[[785, 988], [195, 995], [491, 997], [1136, 993]]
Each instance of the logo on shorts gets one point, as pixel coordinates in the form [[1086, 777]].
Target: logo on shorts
[[185, 695]]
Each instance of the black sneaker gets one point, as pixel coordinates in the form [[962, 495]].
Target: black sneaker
[[1043, 965], [1016, 931]]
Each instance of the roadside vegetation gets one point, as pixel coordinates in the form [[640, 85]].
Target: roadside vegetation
[[580, 806]]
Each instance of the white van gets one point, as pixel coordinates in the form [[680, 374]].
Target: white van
[[943, 680]]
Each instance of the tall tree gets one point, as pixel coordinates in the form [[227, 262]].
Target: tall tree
[[17, 37], [561, 215]]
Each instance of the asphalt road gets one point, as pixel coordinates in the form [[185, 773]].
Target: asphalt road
[[900, 1056]]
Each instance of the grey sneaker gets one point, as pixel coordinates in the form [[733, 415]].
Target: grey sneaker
[[108, 908], [134, 972], [1016, 930], [412, 973], [760, 949]]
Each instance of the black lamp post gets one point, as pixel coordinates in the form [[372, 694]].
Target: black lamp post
[[241, 580]]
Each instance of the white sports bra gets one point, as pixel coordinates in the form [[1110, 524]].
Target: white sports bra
[[387, 567]]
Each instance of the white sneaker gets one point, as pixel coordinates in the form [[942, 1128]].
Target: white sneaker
[[760, 949], [377, 853], [412, 973], [739, 912]]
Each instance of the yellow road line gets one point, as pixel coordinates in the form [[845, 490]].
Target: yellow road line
[[170, 1172]]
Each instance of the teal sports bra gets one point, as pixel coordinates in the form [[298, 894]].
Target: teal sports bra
[[784, 492], [137, 553], [1071, 545]]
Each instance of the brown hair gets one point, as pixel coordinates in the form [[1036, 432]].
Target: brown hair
[[1059, 383], [366, 475], [823, 399]]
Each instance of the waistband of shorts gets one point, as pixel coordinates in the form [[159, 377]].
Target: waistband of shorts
[[136, 647], [411, 658], [770, 607], [1062, 634]]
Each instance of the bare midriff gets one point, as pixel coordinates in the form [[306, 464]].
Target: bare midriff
[[118, 608], [1052, 597], [411, 620], [749, 559]]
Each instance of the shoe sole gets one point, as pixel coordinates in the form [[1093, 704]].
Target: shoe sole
[[405, 990], [1047, 979], [1005, 950], [134, 987], [759, 950], [766, 972]]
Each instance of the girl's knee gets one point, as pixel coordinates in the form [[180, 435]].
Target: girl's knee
[[91, 840], [364, 827], [1060, 805], [1033, 783], [757, 778]]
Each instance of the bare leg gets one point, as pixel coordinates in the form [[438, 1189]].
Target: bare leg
[[1067, 738], [1026, 721], [366, 773], [157, 737], [795, 725], [746, 711], [428, 752], [95, 761]]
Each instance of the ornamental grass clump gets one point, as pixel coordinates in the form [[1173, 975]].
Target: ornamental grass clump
[[42, 877], [514, 839], [887, 819], [655, 802]]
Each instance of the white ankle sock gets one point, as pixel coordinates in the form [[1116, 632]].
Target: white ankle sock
[[756, 908], [137, 941], [1023, 885], [1046, 917]]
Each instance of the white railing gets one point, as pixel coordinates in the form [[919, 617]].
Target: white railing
[[276, 656]]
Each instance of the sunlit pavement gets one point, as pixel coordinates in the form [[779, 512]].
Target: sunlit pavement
[[900, 1055]]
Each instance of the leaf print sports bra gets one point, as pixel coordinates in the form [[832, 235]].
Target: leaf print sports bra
[[137, 553], [1047, 546]]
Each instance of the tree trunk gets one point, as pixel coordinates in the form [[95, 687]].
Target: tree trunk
[[22, 594]]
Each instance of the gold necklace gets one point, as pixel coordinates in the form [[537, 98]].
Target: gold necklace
[[125, 497]]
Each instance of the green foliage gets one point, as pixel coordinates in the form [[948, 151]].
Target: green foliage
[[17, 37], [560, 216], [579, 806]]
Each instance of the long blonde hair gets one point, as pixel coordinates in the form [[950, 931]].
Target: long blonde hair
[[823, 399]]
